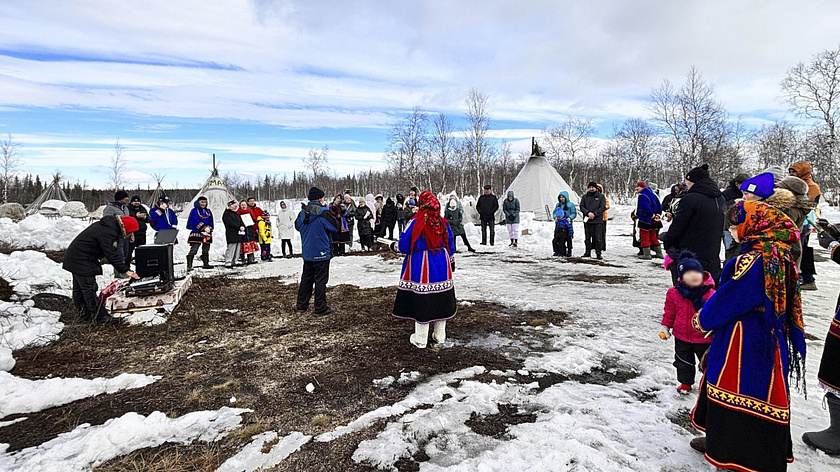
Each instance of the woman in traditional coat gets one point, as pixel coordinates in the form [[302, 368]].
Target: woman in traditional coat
[[249, 239], [426, 292], [759, 341]]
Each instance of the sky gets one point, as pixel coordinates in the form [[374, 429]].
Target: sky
[[260, 82]]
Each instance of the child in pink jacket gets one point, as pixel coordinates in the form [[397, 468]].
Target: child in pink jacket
[[683, 300]]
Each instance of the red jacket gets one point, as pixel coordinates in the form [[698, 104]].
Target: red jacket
[[679, 311]]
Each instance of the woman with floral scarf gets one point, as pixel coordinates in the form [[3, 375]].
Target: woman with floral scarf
[[426, 292], [758, 344]]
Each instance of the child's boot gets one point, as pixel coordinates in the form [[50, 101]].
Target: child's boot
[[684, 389], [645, 254], [657, 252]]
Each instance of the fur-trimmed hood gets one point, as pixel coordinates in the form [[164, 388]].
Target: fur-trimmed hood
[[782, 199]]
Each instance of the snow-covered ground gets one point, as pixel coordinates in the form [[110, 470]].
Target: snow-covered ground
[[619, 426]]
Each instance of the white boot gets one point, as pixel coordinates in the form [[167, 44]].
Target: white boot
[[440, 332], [421, 335]]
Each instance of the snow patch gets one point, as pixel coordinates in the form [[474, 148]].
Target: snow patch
[[251, 457], [21, 326]]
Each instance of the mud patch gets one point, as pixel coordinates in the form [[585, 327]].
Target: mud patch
[[519, 261], [586, 261], [256, 347], [682, 418], [6, 290], [598, 279], [497, 425]]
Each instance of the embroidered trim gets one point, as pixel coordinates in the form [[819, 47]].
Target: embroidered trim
[[695, 323], [748, 405], [745, 263], [426, 288], [834, 328]]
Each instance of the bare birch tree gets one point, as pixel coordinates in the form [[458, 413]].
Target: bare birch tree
[[9, 162], [117, 170], [475, 141]]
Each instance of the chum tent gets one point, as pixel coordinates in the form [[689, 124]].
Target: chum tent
[[216, 192], [158, 191], [537, 185], [52, 193]]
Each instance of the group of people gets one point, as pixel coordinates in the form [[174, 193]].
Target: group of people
[[248, 231], [743, 324]]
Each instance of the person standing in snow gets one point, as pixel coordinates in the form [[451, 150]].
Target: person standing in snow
[[378, 203], [141, 214], [510, 208], [648, 213], [364, 217], [487, 206], [343, 236], [454, 215], [694, 288], [350, 213], [286, 228], [248, 240], [426, 292], [828, 440], [803, 170], [265, 235], [758, 344], [390, 215], [606, 218], [593, 205], [234, 231], [791, 196], [97, 241], [256, 213], [564, 230], [698, 222], [401, 221], [200, 224], [316, 224]]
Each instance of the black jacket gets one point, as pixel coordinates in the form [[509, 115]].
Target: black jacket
[[232, 222], [365, 218], [595, 203], [698, 223], [95, 242], [132, 211], [731, 193], [487, 207], [389, 214]]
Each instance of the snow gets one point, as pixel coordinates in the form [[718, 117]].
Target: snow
[[18, 398], [89, 446], [22, 325], [151, 317], [251, 457], [31, 272], [38, 231]]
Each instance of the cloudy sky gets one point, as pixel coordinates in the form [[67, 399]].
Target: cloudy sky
[[259, 82]]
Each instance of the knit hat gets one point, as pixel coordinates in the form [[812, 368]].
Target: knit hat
[[796, 185], [641, 184], [592, 184], [777, 171], [688, 262], [130, 224], [315, 194], [761, 185], [164, 199], [120, 195], [698, 173], [135, 199]]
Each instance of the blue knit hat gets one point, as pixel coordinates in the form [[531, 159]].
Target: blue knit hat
[[688, 262], [761, 185]]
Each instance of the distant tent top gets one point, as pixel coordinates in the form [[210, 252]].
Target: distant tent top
[[216, 192], [52, 192], [538, 184], [158, 191]]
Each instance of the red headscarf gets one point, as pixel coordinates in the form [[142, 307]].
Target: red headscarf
[[428, 222]]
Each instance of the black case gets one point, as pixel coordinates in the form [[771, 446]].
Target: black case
[[154, 259]]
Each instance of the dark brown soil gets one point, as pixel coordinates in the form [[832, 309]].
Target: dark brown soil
[[497, 425], [598, 279], [6, 290], [56, 256], [255, 347], [586, 260]]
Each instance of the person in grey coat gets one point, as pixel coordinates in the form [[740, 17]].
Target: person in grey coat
[[119, 208], [454, 215], [510, 208]]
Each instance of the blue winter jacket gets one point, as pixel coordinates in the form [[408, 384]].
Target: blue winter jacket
[[199, 218], [315, 231], [648, 206], [565, 211], [162, 219]]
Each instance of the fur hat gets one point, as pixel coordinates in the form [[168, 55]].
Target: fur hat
[[796, 185], [698, 173], [688, 262], [761, 185], [315, 194]]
